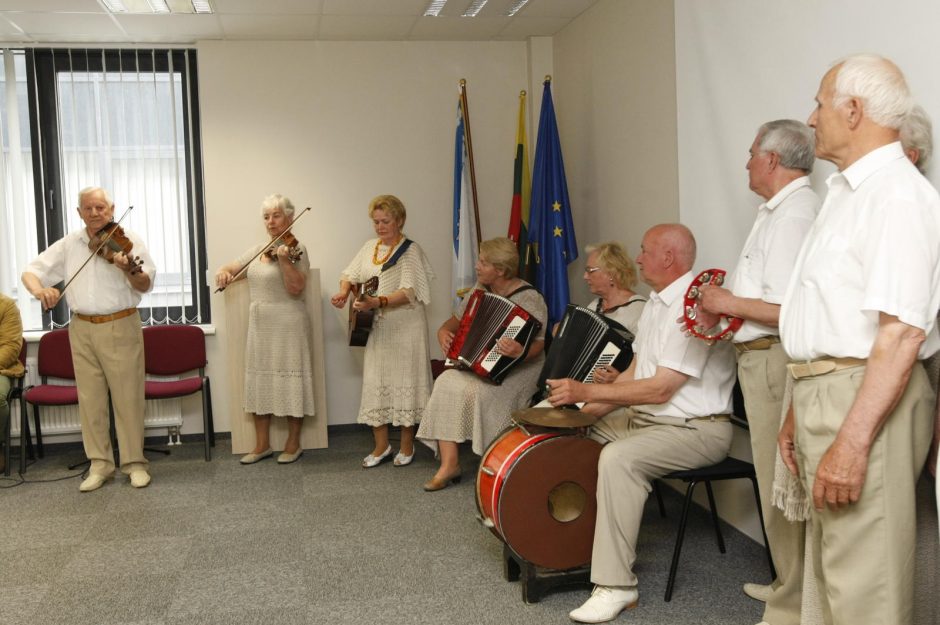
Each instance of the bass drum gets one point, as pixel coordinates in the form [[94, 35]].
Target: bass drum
[[536, 490]]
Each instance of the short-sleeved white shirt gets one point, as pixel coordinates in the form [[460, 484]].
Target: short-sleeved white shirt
[[100, 288], [770, 251], [660, 343], [874, 248]]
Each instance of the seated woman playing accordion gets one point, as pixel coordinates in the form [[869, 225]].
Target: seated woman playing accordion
[[465, 406]]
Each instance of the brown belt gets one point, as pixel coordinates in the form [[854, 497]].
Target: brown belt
[[822, 366], [764, 342], [127, 312]]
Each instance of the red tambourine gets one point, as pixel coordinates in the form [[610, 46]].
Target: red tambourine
[[727, 325]]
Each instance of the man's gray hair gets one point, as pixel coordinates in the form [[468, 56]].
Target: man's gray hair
[[917, 134], [791, 140], [89, 190], [878, 83]]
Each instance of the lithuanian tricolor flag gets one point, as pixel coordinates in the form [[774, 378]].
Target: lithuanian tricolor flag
[[521, 191]]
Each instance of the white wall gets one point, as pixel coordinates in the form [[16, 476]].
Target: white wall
[[333, 124], [615, 94]]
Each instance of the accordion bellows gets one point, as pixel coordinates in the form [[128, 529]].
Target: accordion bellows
[[487, 318], [585, 341]]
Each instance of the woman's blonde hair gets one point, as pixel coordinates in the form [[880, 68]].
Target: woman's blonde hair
[[613, 258], [503, 254], [391, 205]]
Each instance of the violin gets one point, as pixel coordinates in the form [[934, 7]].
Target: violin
[[293, 247], [111, 240]]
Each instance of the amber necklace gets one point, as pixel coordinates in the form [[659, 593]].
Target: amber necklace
[[375, 253]]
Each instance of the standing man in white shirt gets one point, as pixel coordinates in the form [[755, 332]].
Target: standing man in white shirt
[[859, 314], [677, 393], [782, 157], [105, 335]]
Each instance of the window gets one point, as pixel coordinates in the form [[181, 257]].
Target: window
[[126, 120]]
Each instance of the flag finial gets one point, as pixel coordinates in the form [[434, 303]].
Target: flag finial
[[548, 78]]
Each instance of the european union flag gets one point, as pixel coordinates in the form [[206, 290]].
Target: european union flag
[[550, 226]]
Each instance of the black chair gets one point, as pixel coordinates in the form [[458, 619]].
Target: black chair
[[727, 469], [16, 392]]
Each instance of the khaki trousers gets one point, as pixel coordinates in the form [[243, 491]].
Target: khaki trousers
[[762, 375], [110, 356], [638, 450], [864, 554]]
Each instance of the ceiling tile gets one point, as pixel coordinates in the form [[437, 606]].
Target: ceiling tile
[[268, 7], [84, 24], [171, 28], [365, 28], [8, 31], [274, 27], [413, 8], [524, 27], [49, 6], [458, 28], [555, 8]]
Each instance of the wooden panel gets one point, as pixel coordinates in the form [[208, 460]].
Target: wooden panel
[[313, 435]]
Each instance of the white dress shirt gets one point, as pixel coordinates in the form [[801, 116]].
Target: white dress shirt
[[875, 247], [100, 288], [660, 343], [770, 251]]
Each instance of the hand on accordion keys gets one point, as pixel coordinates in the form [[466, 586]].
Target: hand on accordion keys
[[509, 348]]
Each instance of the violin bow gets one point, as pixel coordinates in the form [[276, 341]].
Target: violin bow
[[97, 249], [264, 249]]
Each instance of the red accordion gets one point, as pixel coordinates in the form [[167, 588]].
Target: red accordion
[[488, 318]]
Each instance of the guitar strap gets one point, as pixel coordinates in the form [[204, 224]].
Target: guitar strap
[[398, 254]]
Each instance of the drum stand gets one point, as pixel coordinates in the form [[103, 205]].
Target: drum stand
[[537, 580]]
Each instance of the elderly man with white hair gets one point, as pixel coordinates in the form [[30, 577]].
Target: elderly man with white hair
[[858, 316]]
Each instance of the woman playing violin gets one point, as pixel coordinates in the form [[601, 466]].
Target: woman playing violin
[[105, 335], [278, 365]]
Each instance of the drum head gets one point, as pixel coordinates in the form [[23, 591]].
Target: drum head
[[553, 417], [548, 503]]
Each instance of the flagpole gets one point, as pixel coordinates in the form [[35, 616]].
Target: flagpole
[[473, 177]]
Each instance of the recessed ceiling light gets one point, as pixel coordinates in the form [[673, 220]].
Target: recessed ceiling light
[[203, 6], [434, 8], [158, 6], [115, 6], [475, 7], [515, 7]]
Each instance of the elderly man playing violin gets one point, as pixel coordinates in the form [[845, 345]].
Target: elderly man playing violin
[[105, 332]]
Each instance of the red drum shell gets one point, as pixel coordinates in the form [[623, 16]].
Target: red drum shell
[[522, 475]]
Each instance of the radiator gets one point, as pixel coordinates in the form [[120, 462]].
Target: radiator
[[162, 413]]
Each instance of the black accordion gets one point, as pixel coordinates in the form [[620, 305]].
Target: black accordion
[[585, 341], [488, 318]]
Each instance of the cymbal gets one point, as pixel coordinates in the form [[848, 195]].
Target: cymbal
[[553, 417]]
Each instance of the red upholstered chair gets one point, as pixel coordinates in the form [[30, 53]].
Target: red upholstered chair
[[172, 350], [16, 392], [54, 360]]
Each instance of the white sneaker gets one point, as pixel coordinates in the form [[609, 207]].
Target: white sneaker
[[605, 604], [761, 592]]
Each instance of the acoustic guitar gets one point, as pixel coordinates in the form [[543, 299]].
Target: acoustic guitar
[[360, 321]]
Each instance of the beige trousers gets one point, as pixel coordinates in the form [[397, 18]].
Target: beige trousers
[[110, 356], [639, 450], [863, 555], [762, 375]]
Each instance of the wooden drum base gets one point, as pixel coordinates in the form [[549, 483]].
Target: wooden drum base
[[537, 580]]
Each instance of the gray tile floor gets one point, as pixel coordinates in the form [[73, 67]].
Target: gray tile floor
[[319, 541]]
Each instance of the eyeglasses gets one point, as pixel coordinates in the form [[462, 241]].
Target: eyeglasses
[[590, 270]]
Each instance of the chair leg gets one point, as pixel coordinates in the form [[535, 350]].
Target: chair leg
[[25, 439], [7, 429], [678, 549], [659, 498], [205, 422], [714, 508], [39, 448], [760, 515], [207, 389]]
